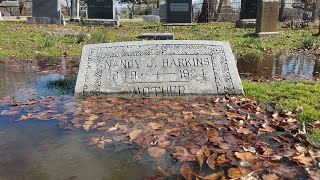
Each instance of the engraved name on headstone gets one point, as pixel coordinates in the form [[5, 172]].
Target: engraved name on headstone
[[179, 11], [267, 16], [158, 69]]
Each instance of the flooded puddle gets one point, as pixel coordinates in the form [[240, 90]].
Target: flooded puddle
[[117, 146], [279, 66]]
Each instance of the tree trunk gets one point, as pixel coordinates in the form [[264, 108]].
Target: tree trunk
[[281, 10], [219, 9], [207, 10]]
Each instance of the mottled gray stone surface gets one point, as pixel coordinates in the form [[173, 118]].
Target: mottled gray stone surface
[[46, 8], [151, 18], [158, 69]]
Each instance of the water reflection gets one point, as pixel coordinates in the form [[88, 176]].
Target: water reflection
[[280, 66]]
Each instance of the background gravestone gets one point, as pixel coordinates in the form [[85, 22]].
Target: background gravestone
[[248, 14], [158, 69], [179, 11], [101, 9], [267, 16], [248, 9], [45, 12], [75, 11]]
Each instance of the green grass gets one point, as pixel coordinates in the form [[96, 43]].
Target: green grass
[[286, 95], [18, 39]]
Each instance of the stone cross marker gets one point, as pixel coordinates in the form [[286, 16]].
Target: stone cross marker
[[267, 17], [179, 11], [101, 9], [45, 12], [158, 69]]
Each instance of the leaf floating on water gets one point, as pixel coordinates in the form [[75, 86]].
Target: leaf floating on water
[[182, 154], [87, 124], [186, 172], [156, 151], [237, 172], [94, 141], [200, 156], [134, 134]]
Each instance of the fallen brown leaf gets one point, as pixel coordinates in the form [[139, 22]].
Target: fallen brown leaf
[[186, 172], [237, 172], [211, 161], [87, 124], [134, 134], [270, 177], [245, 156], [156, 151], [200, 157], [302, 159], [214, 176], [93, 118]]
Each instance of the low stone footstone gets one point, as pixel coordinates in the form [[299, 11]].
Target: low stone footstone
[[157, 36], [151, 18], [158, 69], [45, 12], [267, 17]]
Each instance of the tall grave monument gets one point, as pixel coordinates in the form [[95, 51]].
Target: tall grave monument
[[158, 69], [75, 11], [45, 12], [179, 11], [267, 17], [248, 14]]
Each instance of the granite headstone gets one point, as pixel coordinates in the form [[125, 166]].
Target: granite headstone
[[248, 9], [179, 11], [158, 69], [267, 16], [100, 9], [45, 12]]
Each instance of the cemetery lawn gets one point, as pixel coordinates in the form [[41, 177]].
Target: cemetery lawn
[[23, 41], [20, 40]]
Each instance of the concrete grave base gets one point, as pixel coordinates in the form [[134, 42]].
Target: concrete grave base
[[179, 24], [74, 20], [264, 34], [157, 36], [246, 23], [104, 22], [43, 20]]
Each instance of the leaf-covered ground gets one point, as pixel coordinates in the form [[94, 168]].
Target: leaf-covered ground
[[206, 138]]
